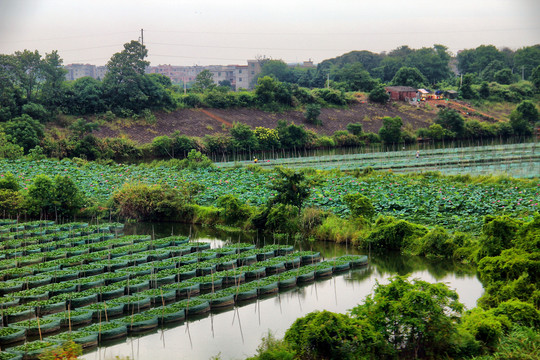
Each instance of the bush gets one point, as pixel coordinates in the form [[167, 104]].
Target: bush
[[389, 233], [436, 243], [355, 128], [379, 95], [192, 100], [327, 335], [338, 230], [273, 349], [312, 114], [233, 210], [329, 96], [283, 218], [151, 202]]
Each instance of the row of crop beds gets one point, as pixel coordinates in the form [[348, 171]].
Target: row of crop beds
[[91, 284]]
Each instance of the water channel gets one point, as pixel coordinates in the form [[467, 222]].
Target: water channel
[[236, 333]]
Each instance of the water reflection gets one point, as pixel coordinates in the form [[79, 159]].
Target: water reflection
[[235, 334]]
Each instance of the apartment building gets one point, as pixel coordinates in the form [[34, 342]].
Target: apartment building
[[240, 76]]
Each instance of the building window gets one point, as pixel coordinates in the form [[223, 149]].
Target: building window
[[253, 73], [218, 74], [240, 79], [240, 71]]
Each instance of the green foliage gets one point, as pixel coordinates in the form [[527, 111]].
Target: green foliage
[[528, 111], [485, 327], [417, 319], [535, 78], [451, 120], [355, 77], [291, 135], [36, 111], [68, 199], [327, 335], [520, 343], [329, 96], [312, 114], [273, 349], [81, 127], [466, 91], [9, 182], [8, 150], [268, 139], [243, 138], [339, 230], [291, 187], [359, 205], [204, 81], [390, 132], [233, 211], [41, 194], [24, 131], [498, 233], [355, 129], [282, 218], [519, 313], [436, 243], [409, 76], [147, 202], [389, 233]]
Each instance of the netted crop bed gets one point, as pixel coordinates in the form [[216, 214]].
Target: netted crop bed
[[518, 160], [91, 284]]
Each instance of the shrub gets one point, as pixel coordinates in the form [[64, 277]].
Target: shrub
[[389, 233], [312, 114], [233, 210], [355, 128], [328, 335], [338, 230], [283, 218]]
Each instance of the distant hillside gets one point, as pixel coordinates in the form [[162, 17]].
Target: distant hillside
[[200, 122]]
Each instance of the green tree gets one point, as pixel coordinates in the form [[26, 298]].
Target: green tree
[[243, 138], [379, 95], [291, 187], [407, 76], [8, 150], [476, 60], [355, 77], [504, 77], [277, 69], [312, 114], [9, 182], [41, 194], [417, 319], [68, 199], [355, 128], [528, 111], [327, 335], [466, 91], [54, 76], [204, 81], [24, 131], [85, 96], [291, 135], [28, 70], [123, 83], [390, 132], [451, 120], [81, 127], [488, 73]]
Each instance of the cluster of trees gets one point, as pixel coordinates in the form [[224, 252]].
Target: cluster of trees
[[424, 67], [43, 198], [35, 85]]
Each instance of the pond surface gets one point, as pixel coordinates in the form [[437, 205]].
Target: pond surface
[[236, 333]]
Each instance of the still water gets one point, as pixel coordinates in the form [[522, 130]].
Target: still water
[[236, 333]]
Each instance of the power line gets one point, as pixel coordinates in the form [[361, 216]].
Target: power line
[[242, 47], [344, 33]]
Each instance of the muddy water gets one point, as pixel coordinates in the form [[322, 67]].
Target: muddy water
[[236, 333]]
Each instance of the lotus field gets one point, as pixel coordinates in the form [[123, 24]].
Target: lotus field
[[91, 284], [427, 199]]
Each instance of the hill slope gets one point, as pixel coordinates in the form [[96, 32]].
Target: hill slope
[[200, 122]]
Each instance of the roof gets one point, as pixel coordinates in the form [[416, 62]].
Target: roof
[[423, 91], [400, 88]]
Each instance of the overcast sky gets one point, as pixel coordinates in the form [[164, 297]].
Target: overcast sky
[[208, 32]]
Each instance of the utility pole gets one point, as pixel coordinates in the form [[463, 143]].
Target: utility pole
[[142, 37], [328, 81]]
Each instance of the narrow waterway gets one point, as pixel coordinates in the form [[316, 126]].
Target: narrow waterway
[[236, 333]]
